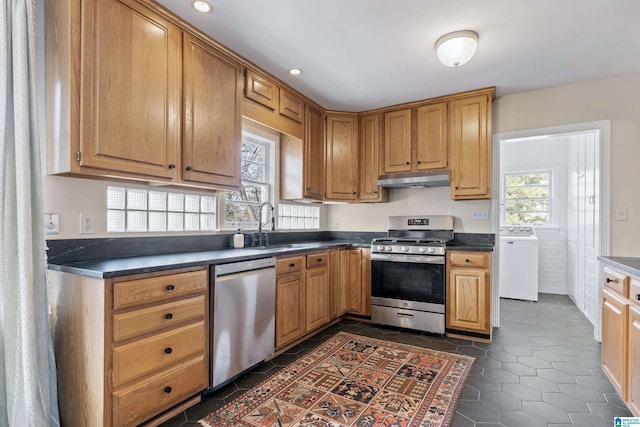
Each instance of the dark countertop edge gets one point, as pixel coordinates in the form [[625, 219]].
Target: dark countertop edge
[[629, 264], [118, 267]]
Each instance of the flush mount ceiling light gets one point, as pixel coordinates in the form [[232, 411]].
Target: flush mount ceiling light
[[457, 48], [201, 6], [295, 71]]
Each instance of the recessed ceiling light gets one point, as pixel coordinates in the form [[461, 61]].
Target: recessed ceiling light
[[201, 6], [295, 71]]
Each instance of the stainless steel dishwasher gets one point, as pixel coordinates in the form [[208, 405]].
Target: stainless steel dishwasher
[[243, 312]]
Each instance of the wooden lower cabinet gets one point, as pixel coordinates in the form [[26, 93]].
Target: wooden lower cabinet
[[615, 315], [129, 348], [356, 266], [290, 308], [621, 334], [633, 375], [468, 295], [317, 297]]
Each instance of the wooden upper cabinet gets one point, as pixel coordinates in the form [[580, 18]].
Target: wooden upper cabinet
[[471, 147], [370, 159], [341, 157], [313, 155], [260, 89], [130, 91], [212, 122], [431, 142], [291, 106], [397, 141]]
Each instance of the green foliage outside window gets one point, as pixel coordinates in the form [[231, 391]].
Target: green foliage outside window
[[528, 198]]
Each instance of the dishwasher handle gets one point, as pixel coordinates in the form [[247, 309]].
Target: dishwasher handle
[[244, 266]]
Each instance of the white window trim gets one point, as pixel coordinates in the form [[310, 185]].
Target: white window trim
[[553, 207], [269, 140]]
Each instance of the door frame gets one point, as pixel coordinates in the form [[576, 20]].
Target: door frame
[[604, 128]]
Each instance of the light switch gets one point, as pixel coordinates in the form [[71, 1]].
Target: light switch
[[480, 214], [621, 214], [87, 223]]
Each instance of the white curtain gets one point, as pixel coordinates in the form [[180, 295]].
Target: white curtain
[[28, 395]]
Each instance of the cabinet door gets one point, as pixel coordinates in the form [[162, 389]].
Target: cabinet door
[[633, 392], [290, 308], [291, 106], [317, 296], [468, 300], [615, 314], [370, 168], [212, 122], [313, 157], [397, 141], [338, 290], [261, 90], [130, 95], [471, 148], [365, 274], [352, 269], [432, 136], [342, 157]]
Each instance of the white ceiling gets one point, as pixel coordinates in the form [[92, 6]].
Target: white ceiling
[[364, 54]]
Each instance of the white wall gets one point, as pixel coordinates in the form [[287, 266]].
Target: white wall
[[410, 201], [617, 99]]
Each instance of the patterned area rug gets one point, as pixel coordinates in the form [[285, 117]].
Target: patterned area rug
[[352, 380]]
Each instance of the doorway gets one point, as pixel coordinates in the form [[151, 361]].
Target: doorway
[[572, 223]]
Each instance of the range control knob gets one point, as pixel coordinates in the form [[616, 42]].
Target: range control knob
[[380, 248], [405, 249], [432, 250], [423, 250], [389, 248]]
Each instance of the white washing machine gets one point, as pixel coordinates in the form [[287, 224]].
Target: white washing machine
[[518, 273]]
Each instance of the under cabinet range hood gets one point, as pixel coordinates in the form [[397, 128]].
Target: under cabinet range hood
[[436, 178]]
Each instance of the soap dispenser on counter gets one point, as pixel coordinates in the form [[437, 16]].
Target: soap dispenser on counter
[[238, 240]]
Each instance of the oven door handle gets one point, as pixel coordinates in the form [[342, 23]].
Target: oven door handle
[[421, 259], [406, 315]]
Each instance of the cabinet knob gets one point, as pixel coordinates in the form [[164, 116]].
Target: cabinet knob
[[408, 163], [456, 187], [319, 259], [172, 166], [375, 191], [355, 192], [170, 288], [168, 389], [168, 316], [467, 260], [419, 162], [308, 188], [189, 168], [609, 280], [168, 350], [637, 297], [292, 265]]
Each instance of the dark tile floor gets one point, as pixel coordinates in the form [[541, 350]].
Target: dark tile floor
[[541, 369]]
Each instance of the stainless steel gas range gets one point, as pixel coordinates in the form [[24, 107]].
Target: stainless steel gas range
[[408, 273]]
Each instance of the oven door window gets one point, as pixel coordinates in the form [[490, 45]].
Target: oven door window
[[408, 281]]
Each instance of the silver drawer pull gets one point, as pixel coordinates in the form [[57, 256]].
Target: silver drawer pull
[[407, 315]]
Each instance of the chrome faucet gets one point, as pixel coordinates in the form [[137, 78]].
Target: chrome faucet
[[261, 224]]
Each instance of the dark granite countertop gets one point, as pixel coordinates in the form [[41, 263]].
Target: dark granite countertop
[[117, 267], [629, 264], [478, 247]]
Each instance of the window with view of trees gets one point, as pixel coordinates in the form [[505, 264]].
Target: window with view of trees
[[241, 208], [527, 198]]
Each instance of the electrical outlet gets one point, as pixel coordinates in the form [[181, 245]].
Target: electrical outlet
[[87, 223], [480, 214], [51, 223]]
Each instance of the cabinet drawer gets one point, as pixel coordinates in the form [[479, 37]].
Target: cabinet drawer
[[289, 265], [148, 354], [469, 259], [616, 281], [634, 291], [319, 259], [160, 288], [138, 322], [135, 404]]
